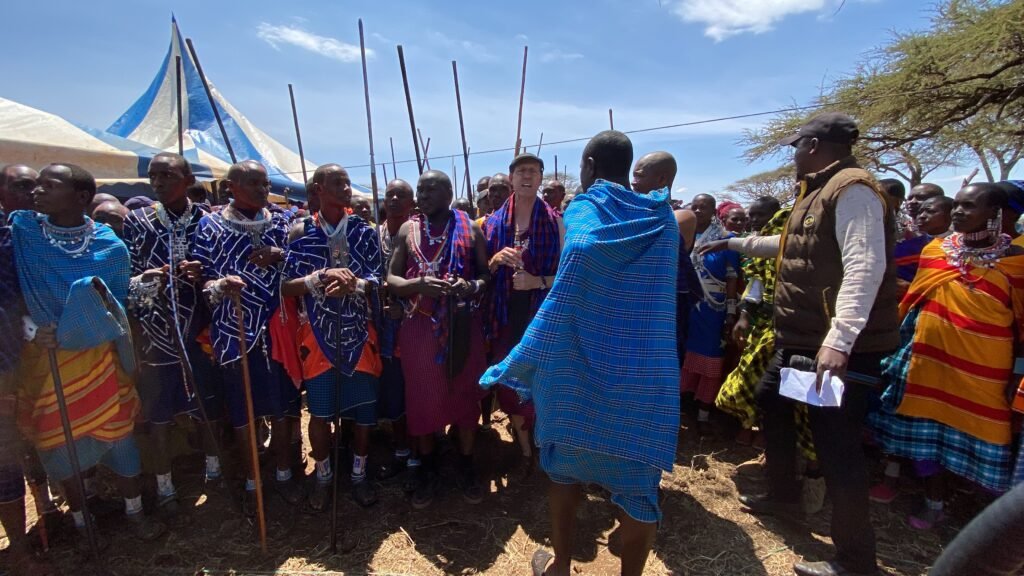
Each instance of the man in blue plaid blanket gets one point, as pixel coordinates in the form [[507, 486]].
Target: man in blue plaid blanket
[[605, 386]]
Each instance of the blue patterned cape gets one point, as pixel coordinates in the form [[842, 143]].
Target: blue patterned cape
[[349, 315], [149, 242], [224, 251], [599, 360]]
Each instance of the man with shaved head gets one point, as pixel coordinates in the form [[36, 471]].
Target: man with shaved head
[[334, 264], [112, 214], [100, 198], [439, 267], [399, 201], [553, 192], [165, 299], [499, 188], [241, 250], [17, 182], [657, 171], [621, 250]]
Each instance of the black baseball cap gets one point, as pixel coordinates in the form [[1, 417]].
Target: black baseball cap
[[831, 126], [525, 157]]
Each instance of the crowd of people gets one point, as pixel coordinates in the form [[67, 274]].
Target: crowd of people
[[595, 320]]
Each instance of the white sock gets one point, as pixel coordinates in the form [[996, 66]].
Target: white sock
[[703, 415], [250, 485], [933, 504], [164, 486], [358, 466], [892, 469], [212, 467], [413, 462], [402, 454], [284, 475], [79, 518], [323, 470], [133, 505]]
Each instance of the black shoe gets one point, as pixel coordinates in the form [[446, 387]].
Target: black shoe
[[472, 491], [291, 491], [391, 469], [409, 480], [828, 569], [364, 493], [426, 487], [320, 495], [249, 503], [768, 506]]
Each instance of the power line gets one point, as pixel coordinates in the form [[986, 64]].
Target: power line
[[681, 124]]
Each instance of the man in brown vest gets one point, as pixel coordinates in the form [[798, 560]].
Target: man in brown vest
[[835, 303]]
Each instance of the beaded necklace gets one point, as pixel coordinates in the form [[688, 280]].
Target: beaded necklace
[[242, 224], [72, 241], [178, 227], [963, 257]]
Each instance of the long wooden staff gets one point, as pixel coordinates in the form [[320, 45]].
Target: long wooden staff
[[298, 137], [254, 456], [69, 440], [213, 103], [408, 104], [462, 131], [522, 95]]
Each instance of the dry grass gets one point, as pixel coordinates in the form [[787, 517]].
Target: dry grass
[[704, 530]]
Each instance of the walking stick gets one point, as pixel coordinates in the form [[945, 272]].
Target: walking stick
[[335, 438], [186, 364], [69, 439], [253, 455], [408, 104]]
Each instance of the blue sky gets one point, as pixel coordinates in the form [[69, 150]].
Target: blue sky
[[655, 63]]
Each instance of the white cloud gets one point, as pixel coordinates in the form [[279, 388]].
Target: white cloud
[[474, 50], [725, 18], [556, 55], [323, 45], [522, 37]]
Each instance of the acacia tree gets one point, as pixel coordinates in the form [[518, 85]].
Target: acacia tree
[[777, 183], [929, 99]]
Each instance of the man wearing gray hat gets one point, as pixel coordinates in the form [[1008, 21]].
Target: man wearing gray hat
[[835, 304]]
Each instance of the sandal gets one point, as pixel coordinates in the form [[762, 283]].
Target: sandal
[[541, 559]]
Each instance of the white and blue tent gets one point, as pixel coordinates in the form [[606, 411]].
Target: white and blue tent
[[153, 120], [37, 138]]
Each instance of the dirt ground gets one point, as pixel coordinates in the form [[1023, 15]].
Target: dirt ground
[[704, 531]]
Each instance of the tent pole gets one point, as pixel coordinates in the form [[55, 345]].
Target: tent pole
[[394, 165], [177, 101], [213, 103]]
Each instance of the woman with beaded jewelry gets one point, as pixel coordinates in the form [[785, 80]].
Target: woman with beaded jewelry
[[945, 405], [74, 276]]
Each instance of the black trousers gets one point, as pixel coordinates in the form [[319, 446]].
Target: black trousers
[[837, 441], [991, 544]]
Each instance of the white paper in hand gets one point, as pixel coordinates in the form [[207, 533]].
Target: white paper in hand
[[800, 386]]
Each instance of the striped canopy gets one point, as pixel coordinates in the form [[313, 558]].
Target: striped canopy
[[153, 120]]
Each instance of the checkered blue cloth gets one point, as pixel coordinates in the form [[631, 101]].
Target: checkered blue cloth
[[633, 485], [988, 465], [599, 359], [58, 288]]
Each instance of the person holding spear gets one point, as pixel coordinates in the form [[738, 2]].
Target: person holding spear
[[439, 260], [73, 274], [176, 375], [242, 250], [334, 264]]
